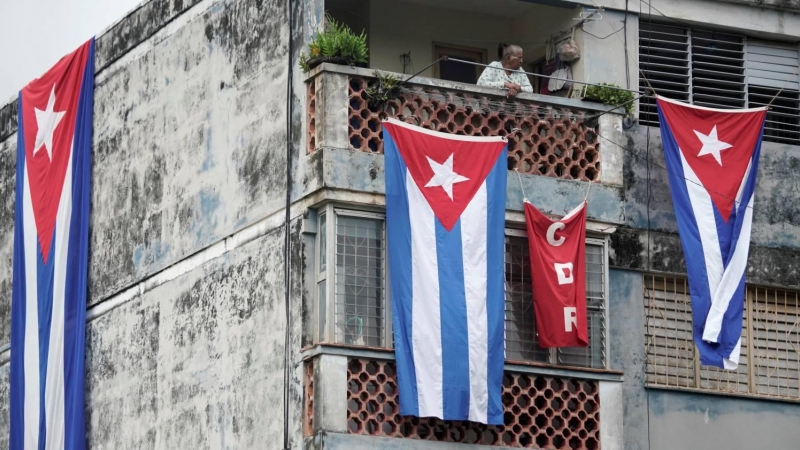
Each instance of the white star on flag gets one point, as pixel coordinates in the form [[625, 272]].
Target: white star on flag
[[444, 176], [47, 121], [711, 144]]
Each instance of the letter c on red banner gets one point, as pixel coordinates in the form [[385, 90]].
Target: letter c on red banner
[[551, 234]]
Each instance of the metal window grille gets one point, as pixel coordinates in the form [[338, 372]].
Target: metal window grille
[[770, 350], [520, 321], [360, 303], [721, 70]]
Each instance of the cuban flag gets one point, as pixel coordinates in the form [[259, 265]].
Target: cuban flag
[[712, 158], [445, 208], [51, 237]]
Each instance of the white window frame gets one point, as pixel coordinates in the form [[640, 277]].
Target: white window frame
[[332, 212]]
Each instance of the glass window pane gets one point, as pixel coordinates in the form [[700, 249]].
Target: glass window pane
[[322, 298], [593, 355], [521, 343], [323, 242], [360, 271]]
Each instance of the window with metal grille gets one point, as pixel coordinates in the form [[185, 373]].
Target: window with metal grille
[[350, 276], [355, 308], [521, 342], [770, 351], [721, 70]]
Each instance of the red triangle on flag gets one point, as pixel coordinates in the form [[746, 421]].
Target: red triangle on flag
[[447, 169], [717, 144]]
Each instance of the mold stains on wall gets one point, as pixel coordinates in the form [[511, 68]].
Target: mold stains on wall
[[8, 177], [192, 363]]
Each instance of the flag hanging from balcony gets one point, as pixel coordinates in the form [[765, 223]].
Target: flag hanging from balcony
[[51, 241], [445, 210], [712, 157], [558, 270]]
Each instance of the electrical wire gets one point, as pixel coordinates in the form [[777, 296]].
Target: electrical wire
[[540, 75], [287, 226], [604, 37]]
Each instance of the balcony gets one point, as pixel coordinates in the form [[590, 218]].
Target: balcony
[[548, 136], [351, 395]]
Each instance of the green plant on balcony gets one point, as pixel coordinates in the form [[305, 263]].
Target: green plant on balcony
[[337, 44], [382, 88], [609, 94]]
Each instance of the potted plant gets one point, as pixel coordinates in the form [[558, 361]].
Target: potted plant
[[337, 44], [609, 94], [382, 88]]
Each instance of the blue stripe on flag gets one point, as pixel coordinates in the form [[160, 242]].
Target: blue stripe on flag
[[77, 267], [398, 229], [495, 295], [18, 295], [455, 334]]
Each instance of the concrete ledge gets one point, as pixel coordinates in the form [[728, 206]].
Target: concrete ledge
[[535, 369], [732, 395], [337, 441]]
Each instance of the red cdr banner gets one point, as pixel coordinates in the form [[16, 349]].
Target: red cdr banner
[[558, 269]]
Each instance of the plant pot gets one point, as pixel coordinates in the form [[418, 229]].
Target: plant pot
[[314, 62], [591, 99]]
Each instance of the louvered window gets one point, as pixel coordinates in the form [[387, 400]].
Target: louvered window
[[770, 352], [721, 70]]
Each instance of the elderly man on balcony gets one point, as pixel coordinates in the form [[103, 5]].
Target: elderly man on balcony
[[506, 73]]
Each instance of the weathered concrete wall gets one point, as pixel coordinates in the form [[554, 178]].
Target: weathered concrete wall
[[189, 147], [189, 143], [684, 420], [627, 353], [196, 363], [775, 249]]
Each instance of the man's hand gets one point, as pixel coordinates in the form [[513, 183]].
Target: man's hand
[[513, 89]]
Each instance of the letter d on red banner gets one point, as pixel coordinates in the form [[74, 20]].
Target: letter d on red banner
[[558, 269]]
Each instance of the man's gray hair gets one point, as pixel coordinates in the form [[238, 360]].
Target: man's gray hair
[[510, 49]]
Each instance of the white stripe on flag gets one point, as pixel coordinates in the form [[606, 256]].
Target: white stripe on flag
[[706, 226], [473, 241], [730, 279], [426, 325], [31, 355], [54, 384], [732, 362]]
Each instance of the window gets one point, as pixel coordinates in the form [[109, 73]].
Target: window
[[356, 303], [721, 70], [453, 71], [521, 343], [770, 354]]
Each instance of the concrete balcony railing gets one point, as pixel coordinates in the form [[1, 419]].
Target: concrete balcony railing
[[351, 394], [550, 136]]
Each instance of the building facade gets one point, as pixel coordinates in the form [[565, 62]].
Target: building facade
[[238, 205]]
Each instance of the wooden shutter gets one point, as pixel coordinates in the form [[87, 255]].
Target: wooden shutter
[[718, 73], [772, 69], [664, 61]]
